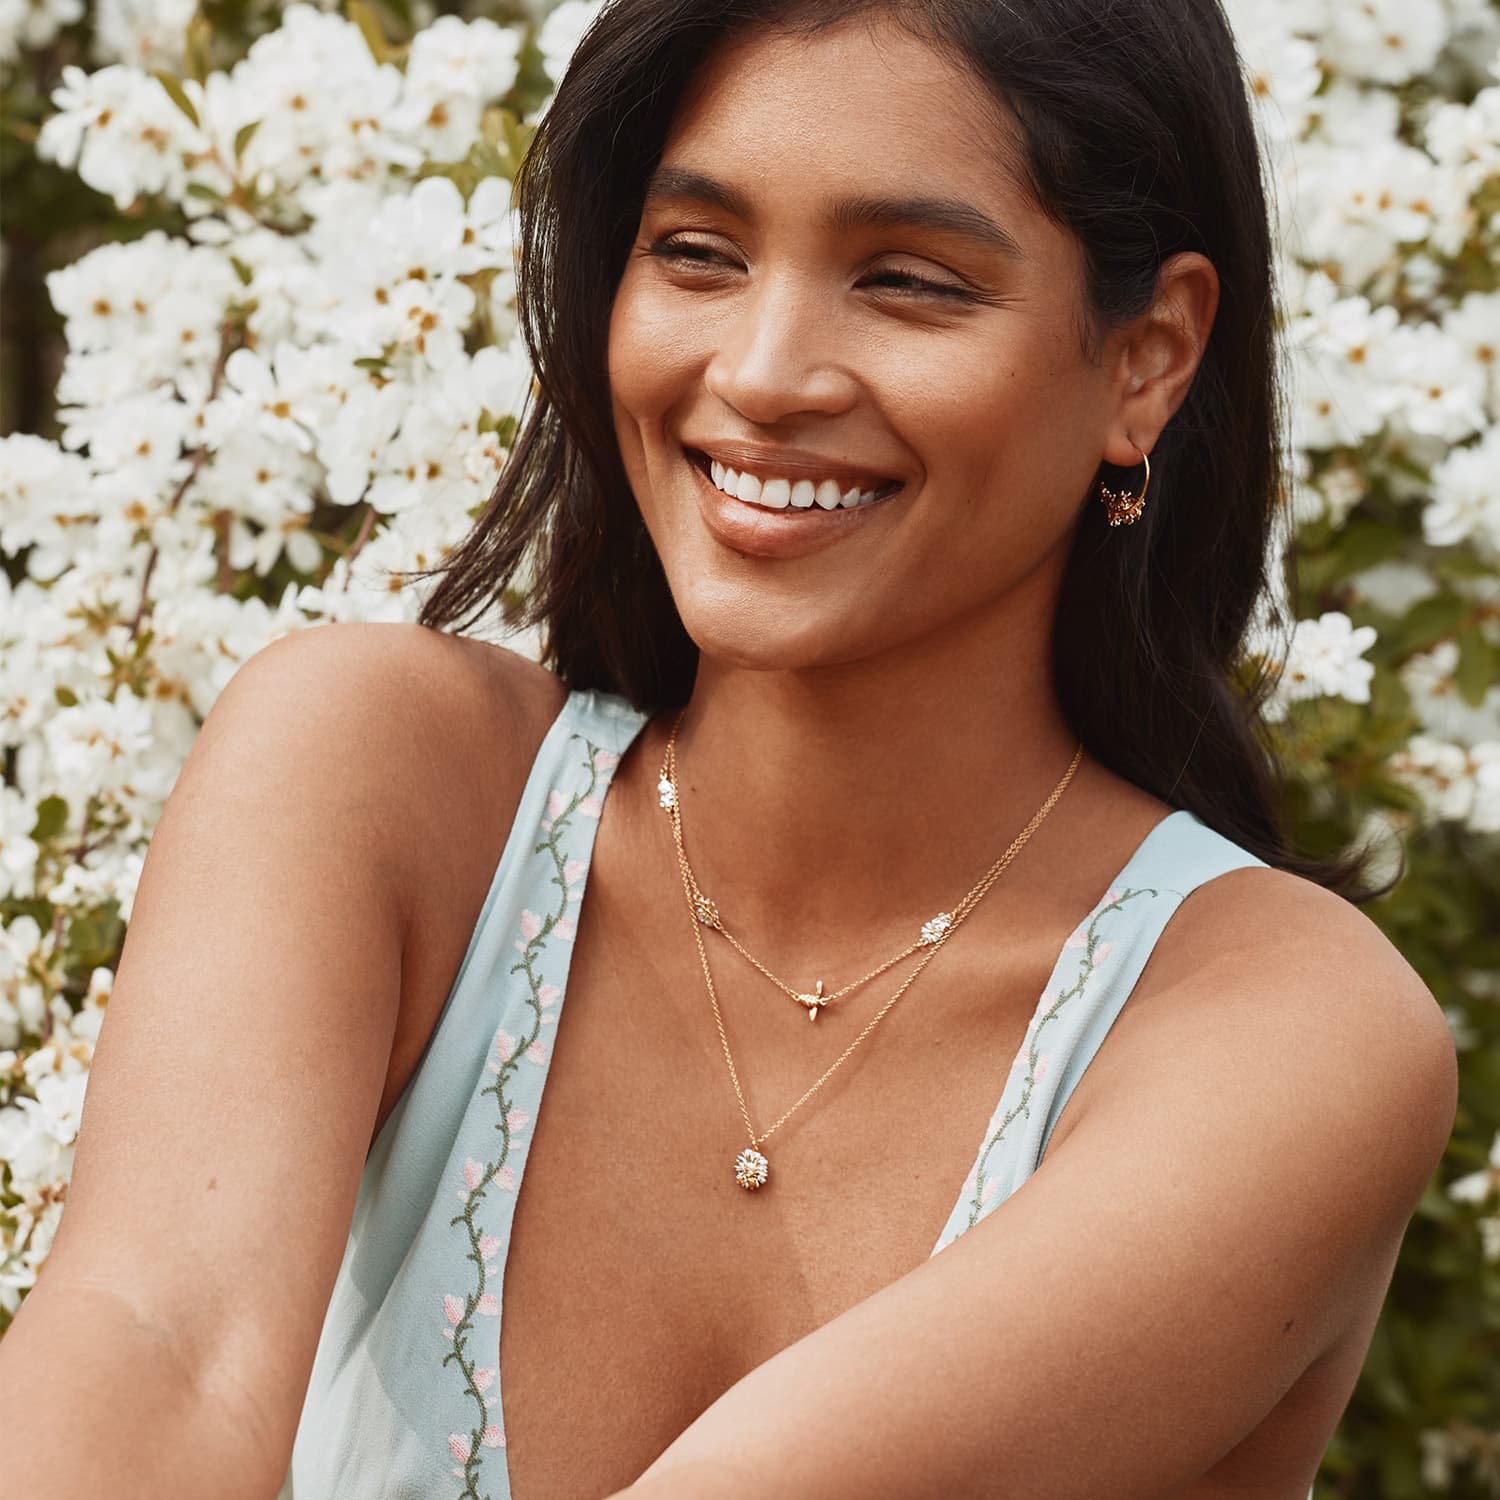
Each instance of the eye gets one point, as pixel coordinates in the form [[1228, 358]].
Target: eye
[[907, 283], [671, 247], [916, 285]]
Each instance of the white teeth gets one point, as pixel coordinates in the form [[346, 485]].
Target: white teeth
[[778, 494]]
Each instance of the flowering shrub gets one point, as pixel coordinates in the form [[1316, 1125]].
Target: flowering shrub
[[290, 370]]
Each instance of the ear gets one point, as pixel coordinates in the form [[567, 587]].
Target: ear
[[1157, 355]]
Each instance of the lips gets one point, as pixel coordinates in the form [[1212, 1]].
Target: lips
[[754, 531]]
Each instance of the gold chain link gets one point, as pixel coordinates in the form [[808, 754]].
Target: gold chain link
[[695, 896]]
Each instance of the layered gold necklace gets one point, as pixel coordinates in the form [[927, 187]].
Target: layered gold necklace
[[751, 1167]]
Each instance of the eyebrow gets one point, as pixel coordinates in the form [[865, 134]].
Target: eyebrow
[[946, 215]]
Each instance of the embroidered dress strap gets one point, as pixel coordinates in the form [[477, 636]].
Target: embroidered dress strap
[[1093, 978], [402, 1401]]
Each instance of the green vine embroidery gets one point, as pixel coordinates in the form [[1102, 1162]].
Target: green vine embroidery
[[478, 1177], [1023, 1104]]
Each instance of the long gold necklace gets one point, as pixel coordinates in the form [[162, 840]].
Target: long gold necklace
[[751, 1167]]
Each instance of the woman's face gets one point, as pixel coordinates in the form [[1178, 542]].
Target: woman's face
[[838, 289]]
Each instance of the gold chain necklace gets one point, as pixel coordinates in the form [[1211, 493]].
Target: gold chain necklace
[[751, 1168], [707, 912]]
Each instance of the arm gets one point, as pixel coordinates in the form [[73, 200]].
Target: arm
[[1226, 1203], [166, 1347]]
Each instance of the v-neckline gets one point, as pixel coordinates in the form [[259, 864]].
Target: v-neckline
[[571, 705]]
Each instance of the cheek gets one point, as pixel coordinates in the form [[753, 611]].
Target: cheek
[[650, 350], [1006, 418]]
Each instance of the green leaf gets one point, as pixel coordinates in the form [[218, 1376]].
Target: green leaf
[[242, 137], [94, 938], [1478, 668], [65, 696], [198, 47], [1432, 619], [369, 28], [1365, 543], [51, 818], [177, 94]]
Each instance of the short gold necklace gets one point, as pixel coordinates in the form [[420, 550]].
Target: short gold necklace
[[707, 912], [751, 1167]]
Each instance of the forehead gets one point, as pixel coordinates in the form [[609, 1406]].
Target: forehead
[[861, 104]]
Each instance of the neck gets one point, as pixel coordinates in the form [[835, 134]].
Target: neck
[[863, 794]]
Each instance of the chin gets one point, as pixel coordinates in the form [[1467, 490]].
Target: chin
[[753, 629]]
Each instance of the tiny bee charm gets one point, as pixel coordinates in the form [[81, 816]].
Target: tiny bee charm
[[815, 1001]]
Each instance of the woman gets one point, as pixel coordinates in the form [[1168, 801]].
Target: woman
[[859, 329]]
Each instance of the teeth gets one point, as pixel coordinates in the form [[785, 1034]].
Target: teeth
[[778, 494]]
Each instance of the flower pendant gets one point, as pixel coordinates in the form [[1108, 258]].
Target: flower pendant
[[751, 1169]]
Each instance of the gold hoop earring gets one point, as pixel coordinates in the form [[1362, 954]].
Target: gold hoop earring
[[1122, 507]]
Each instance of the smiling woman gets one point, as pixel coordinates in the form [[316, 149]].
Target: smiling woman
[[871, 652]]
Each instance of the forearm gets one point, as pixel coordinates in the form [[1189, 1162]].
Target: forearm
[[95, 1401]]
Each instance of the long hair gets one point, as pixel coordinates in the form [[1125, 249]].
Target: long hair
[[1138, 138]]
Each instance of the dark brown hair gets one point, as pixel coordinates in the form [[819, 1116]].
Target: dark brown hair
[[1139, 139]]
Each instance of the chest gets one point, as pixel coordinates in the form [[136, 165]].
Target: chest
[[641, 1281]]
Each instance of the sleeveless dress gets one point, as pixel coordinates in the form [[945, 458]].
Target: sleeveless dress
[[404, 1397]]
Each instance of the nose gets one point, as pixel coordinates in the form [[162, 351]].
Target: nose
[[778, 354]]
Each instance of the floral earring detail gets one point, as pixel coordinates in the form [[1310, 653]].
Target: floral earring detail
[[1122, 507]]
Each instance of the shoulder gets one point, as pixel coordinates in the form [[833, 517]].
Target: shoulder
[[1268, 994], [429, 734], [372, 667]]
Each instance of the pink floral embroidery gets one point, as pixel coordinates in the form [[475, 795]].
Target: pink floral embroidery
[[1031, 1066], [566, 873]]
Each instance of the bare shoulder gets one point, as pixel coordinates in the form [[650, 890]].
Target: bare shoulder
[[403, 671], [1264, 975], [446, 726]]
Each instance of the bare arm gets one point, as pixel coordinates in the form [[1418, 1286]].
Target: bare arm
[[1205, 1233], [166, 1348]]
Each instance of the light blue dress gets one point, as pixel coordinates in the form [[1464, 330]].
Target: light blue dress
[[404, 1398]]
